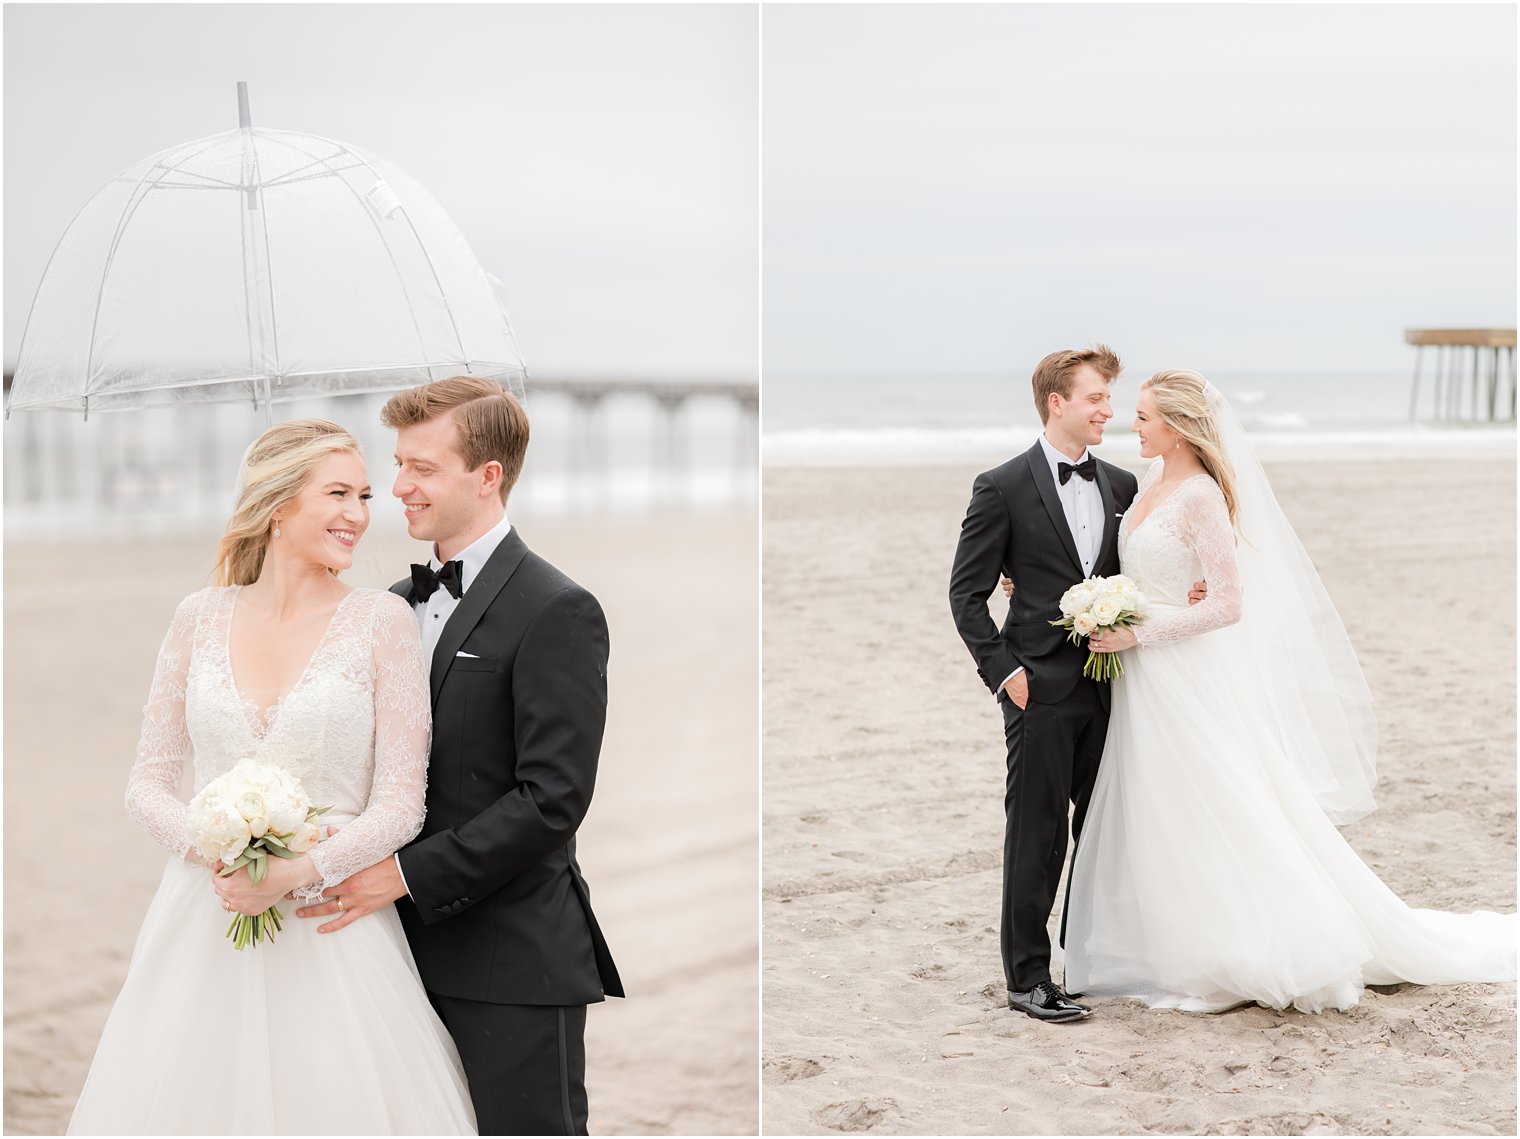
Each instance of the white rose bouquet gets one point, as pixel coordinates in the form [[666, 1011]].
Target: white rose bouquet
[[245, 817], [1094, 605]]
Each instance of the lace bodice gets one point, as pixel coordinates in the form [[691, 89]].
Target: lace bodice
[[353, 728], [1186, 537]]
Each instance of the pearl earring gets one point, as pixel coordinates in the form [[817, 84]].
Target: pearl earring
[[277, 531]]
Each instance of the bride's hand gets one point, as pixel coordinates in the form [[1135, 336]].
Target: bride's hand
[[1007, 584], [290, 895], [241, 894], [1112, 640]]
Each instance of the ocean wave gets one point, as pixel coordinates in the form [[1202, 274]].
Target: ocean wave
[[1283, 435]]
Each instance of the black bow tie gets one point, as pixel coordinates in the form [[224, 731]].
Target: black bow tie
[[426, 582], [1088, 469]]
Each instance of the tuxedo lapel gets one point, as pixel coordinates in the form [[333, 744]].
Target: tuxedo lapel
[[1039, 470], [1110, 517], [477, 598]]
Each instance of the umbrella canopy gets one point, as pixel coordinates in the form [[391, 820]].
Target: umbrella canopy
[[261, 266]]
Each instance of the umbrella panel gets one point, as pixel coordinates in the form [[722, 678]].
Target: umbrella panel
[[258, 265]]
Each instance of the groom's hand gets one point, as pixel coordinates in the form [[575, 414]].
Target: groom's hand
[[1018, 689], [361, 893], [1199, 591]]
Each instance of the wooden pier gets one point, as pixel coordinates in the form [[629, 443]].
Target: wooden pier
[[1483, 357]]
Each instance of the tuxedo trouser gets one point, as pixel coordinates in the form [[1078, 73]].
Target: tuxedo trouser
[[526, 1064], [1053, 754]]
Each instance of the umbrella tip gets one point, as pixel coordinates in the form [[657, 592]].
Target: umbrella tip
[[245, 121]]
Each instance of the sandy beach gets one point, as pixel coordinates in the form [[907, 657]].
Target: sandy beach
[[882, 822], [669, 847]]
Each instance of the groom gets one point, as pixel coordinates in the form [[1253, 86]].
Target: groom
[[1047, 519], [490, 894]]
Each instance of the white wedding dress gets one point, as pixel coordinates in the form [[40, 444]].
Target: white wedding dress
[[1208, 873], [312, 1033]]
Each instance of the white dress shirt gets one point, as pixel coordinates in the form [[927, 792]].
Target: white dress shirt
[[434, 613], [1082, 504]]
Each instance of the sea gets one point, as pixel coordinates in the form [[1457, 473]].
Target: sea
[[928, 420]]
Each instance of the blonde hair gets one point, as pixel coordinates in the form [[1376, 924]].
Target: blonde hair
[[275, 469], [1056, 374], [1184, 407], [491, 423]]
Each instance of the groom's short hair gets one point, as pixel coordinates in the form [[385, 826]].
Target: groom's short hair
[[1055, 373], [492, 424]]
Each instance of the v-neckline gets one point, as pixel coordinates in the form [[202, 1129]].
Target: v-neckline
[[261, 726], [1170, 495]]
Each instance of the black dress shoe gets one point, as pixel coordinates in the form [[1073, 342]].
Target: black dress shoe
[[1046, 1002], [1069, 996]]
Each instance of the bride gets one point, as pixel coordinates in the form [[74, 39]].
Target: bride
[[1210, 872], [283, 662]]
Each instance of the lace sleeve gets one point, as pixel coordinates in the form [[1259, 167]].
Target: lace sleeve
[[1206, 530], [153, 801], [403, 722]]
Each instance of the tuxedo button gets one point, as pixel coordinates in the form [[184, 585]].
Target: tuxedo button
[[443, 911]]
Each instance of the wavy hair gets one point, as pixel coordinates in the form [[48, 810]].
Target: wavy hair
[[274, 470], [490, 421], [1183, 403], [1056, 374]]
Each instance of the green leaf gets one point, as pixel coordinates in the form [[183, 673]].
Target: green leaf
[[272, 842], [282, 853]]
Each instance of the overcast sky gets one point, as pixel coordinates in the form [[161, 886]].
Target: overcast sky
[[1233, 187], [602, 160]]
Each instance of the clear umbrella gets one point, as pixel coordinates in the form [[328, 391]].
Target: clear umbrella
[[262, 266]]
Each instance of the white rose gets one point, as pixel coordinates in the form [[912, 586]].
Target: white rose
[[219, 831], [258, 826], [286, 814], [250, 805], [1105, 610], [306, 836], [1084, 624], [283, 802]]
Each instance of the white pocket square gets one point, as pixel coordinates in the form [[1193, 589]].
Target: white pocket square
[[462, 653]]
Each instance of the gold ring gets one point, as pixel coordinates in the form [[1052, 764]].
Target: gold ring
[[340, 904]]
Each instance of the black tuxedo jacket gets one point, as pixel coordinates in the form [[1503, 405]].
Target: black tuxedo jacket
[[498, 910], [1015, 525]]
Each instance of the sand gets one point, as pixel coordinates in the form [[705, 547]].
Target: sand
[[882, 824], [669, 846]]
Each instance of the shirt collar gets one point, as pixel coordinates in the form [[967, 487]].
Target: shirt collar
[[476, 554], [1052, 456]]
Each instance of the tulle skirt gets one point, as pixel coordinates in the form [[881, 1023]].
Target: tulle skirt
[[313, 1034], [1208, 876]]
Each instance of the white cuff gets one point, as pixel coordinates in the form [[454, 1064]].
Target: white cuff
[[401, 875], [1006, 679]]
